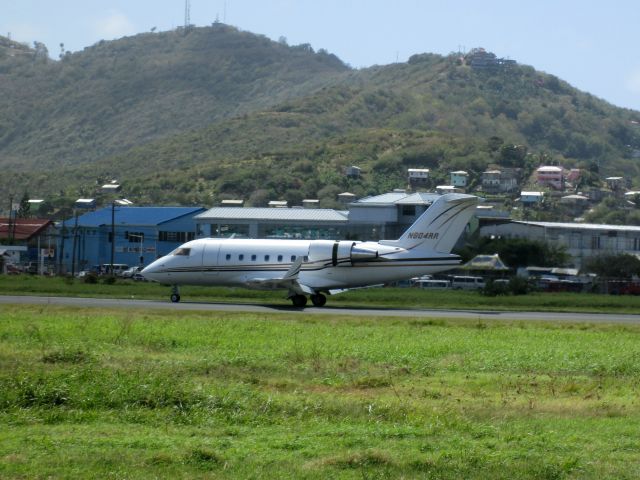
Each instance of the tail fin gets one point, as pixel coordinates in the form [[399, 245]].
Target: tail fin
[[439, 228]]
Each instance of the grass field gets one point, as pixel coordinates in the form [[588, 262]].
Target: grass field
[[144, 394], [372, 297]]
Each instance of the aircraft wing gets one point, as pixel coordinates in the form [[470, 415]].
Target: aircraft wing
[[288, 281]]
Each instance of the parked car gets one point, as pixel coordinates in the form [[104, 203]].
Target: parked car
[[130, 272]]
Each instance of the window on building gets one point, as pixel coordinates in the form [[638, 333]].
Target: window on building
[[172, 237], [408, 210], [636, 244], [134, 237], [595, 242]]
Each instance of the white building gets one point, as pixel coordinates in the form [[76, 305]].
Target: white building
[[582, 240], [418, 176], [531, 198]]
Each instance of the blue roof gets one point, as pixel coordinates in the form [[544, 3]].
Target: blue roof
[[140, 216]]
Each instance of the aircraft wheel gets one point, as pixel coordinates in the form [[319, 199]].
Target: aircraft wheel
[[175, 298], [299, 301], [318, 300]]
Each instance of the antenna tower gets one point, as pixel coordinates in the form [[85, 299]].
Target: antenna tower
[[187, 14]]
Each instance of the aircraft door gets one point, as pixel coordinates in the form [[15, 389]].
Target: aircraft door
[[210, 260]]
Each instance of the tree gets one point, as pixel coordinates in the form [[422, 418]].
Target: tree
[[519, 252], [24, 210], [620, 265]]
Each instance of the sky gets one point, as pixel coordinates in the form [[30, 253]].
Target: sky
[[590, 44]]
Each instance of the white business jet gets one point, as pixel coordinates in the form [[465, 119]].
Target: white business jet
[[319, 267]]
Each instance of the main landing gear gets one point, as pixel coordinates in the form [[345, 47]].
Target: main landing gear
[[175, 294], [300, 301]]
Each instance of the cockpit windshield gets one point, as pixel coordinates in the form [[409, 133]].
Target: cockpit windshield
[[185, 252]]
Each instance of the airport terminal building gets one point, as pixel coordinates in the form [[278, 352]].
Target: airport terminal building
[[371, 218]]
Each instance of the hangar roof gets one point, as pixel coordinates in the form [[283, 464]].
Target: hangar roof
[[399, 198], [583, 226], [141, 216], [274, 214]]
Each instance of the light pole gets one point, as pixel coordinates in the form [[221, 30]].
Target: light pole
[[85, 203], [122, 202]]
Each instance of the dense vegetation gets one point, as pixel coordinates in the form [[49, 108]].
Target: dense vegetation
[[217, 113], [147, 394]]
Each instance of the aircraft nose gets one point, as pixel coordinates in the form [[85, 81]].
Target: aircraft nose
[[150, 272]]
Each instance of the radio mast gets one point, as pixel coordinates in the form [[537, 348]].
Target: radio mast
[[187, 14]]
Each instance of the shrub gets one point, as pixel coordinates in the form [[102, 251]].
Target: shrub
[[91, 278]]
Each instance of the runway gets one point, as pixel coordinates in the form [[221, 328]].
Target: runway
[[484, 315]]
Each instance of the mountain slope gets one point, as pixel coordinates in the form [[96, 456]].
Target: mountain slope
[[270, 121], [120, 94]]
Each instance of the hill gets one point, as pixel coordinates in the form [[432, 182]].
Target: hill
[[220, 113], [120, 94]]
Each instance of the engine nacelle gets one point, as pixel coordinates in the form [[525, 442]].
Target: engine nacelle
[[360, 254], [342, 253]]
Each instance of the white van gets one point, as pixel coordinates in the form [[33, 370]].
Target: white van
[[118, 268], [462, 282], [431, 284]]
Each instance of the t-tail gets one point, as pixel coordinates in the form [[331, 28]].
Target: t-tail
[[439, 228]]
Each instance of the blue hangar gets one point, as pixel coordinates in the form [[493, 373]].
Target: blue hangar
[[142, 234]]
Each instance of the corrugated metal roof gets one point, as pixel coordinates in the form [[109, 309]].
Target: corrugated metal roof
[[277, 214], [22, 228], [400, 198], [149, 216], [584, 226]]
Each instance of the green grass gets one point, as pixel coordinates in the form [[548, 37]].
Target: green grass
[[373, 297], [143, 394]]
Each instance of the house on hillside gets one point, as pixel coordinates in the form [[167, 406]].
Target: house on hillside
[[353, 171], [500, 181], [550, 176], [418, 177], [459, 179]]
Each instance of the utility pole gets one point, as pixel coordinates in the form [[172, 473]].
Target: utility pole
[[9, 225], [113, 233]]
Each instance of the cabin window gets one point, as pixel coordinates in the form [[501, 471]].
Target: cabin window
[[279, 258], [305, 259], [253, 258], [266, 258], [182, 252], [228, 257], [241, 257], [293, 258]]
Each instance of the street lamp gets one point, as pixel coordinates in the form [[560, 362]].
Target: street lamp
[[122, 202], [83, 203]]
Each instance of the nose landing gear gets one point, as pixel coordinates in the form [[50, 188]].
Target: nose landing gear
[[175, 294]]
